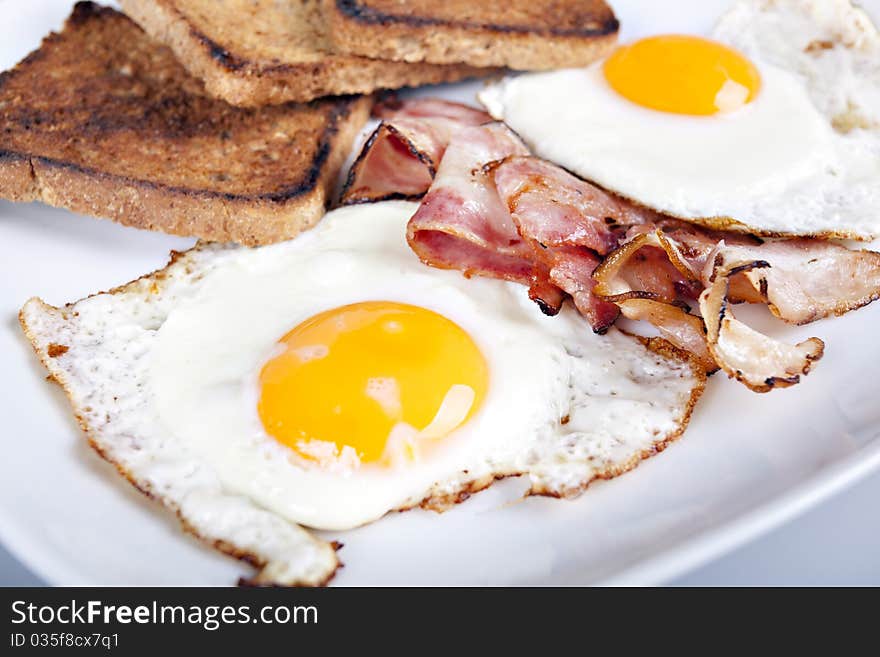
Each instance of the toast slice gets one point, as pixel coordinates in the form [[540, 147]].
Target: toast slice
[[519, 34], [259, 52], [104, 121]]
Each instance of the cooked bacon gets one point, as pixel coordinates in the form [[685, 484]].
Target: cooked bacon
[[648, 266], [400, 158], [493, 210], [647, 289], [801, 280], [570, 269], [554, 208], [718, 339], [567, 222], [807, 279], [675, 324], [396, 162], [650, 269], [439, 247], [756, 360], [461, 223], [546, 293]]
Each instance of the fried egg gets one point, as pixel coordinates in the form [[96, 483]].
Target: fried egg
[[325, 381], [771, 127]]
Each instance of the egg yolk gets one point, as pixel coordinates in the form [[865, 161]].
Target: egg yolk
[[683, 74], [376, 378]]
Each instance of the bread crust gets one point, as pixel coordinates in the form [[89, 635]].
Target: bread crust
[[248, 75], [147, 147], [521, 34]]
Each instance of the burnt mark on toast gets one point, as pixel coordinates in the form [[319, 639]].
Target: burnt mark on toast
[[233, 63], [224, 57], [360, 12], [84, 11], [120, 106], [311, 178], [306, 183], [218, 53], [11, 157]]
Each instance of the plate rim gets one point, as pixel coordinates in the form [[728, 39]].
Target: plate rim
[[685, 555], [676, 560], [776, 511]]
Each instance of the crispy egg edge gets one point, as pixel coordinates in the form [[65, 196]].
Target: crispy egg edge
[[49, 354]]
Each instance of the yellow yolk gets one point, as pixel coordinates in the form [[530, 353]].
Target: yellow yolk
[[358, 375], [683, 75]]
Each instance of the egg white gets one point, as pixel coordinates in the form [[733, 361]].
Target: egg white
[[784, 164], [616, 396], [161, 374]]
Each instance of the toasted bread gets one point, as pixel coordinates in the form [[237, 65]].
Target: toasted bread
[[519, 34], [259, 52], [103, 120]]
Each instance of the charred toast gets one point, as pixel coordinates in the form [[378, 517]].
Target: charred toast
[[519, 34], [104, 121], [258, 52]]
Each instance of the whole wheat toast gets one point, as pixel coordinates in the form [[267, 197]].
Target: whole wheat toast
[[519, 34], [258, 52], [103, 120]]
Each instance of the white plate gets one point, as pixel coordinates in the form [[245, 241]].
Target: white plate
[[747, 463]]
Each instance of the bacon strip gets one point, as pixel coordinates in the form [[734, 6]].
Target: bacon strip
[[650, 266], [807, 279], [567, 222], [675, 324], [462, 223], [570, 270], [554, 208], [624, 280], [752, 358], [760, 362], [400, 158]]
